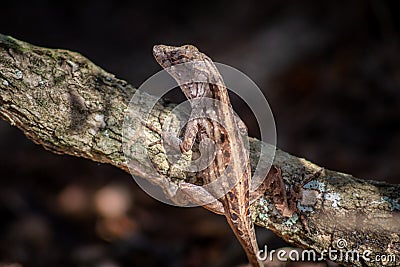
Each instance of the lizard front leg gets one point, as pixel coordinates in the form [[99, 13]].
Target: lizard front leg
[[186, 192]]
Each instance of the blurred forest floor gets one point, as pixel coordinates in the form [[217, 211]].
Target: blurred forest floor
[[330, 71]]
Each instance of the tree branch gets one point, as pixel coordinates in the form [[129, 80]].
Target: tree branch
[[64, 102]]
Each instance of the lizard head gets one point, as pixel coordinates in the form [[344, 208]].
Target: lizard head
[[168, 56], [190, 68]]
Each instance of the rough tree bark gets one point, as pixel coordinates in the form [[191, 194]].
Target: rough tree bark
[[64, 102]]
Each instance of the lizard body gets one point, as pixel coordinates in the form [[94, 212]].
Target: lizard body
[[198, 80]]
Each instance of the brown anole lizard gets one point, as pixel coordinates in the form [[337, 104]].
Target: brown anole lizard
[[227, 139]]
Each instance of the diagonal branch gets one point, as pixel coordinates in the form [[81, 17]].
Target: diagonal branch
[[64, 102]]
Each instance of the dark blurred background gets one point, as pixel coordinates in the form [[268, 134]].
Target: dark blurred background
[[329, 69]]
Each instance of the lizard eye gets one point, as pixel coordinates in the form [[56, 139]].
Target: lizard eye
[[226, 154]]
